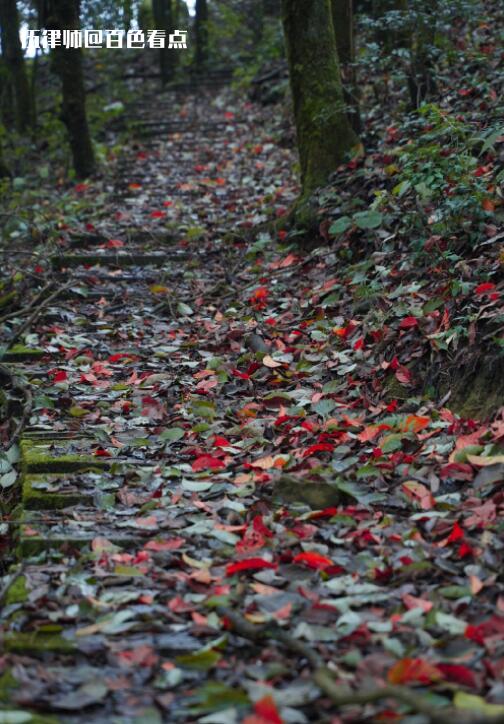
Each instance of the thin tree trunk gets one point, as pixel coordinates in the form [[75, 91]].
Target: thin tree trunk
[[67, 64], [4, 171], [14, 60], [163, 19], [343, 21], [6, 97], [127, 14], [324, 133], [201, 34]]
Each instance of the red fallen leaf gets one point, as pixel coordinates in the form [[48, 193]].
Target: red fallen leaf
[[319, 447], [409, 322], [488, 205], [475, 633], [458, 674], [456, 534], [325, 513], [465, 550], [313, 560], [415, 423], [282, 234], [456, 471], [58, 375], [408, 671], [265, 712], [167, 203], [241, 375], [403, 375], [228, 115], [371, 431], [157, 214], [249, 564], [259, 526], [484, 288], [221, 442], [80, 188], [121, 356], [417, 491], [134, 187], [115, 243], [207, 462], [482, 170], [100, 452], [38, 269]]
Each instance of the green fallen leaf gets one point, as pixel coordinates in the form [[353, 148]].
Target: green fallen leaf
[[368, 219], [462, 700], [201, 660]]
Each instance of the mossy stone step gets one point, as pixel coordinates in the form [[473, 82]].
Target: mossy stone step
[[41, 531], [114, 260], [20, 353], [38, 642], [37, 494], [54, 456], [11, 712]]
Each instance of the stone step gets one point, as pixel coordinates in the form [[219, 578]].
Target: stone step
[[59, 455], [55, 491], [43, 531], [20, 353], [121, 260]]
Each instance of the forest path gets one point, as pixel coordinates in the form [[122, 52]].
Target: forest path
[[168, 450]]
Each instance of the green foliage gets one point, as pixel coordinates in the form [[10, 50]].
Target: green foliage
[[442, 169]]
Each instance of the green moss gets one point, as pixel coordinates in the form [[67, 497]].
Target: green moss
[[323, 130], [8, 684], [316, 495], [479, 393], [37, 643], [394, 390], [16, 593], [37, 457], [6, 299], [38, 499], [20, 353]]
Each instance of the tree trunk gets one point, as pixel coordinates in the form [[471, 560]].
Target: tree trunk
[[324, 133], [163, 19], [201, 34], [342, 17], [127, 14], [6, 97], [343, 21], [14, 60], [67, 64], [4, 171]]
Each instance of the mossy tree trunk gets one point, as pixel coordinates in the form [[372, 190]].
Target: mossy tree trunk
[[163, 19], [343, 22], [201, 34], [324, 134], [67, 64], [13, 56], [4, 171]]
